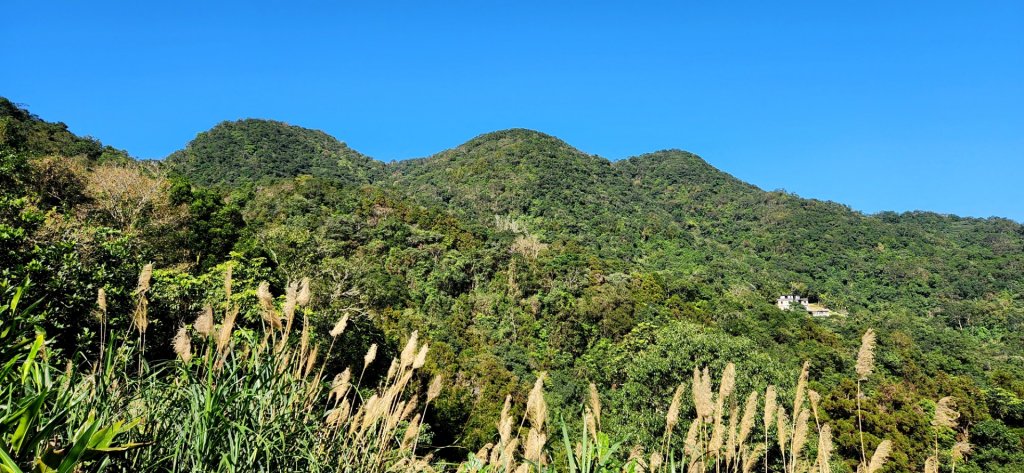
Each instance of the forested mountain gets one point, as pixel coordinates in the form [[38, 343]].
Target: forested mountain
[[556, 191], [26, 133], [512, 255], [249, 150], [917, 260]]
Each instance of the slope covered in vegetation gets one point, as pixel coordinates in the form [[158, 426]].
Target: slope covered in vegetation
[[250, 150], [515, 258]]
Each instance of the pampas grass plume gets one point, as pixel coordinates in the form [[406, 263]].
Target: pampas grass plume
[[339, 327], [672, 418], [421, 357], [866, 355], [182, 344], [824, 449], [304, 294], [204, 321], [434, 389], [101, 306], [880, 456], [224, 335], [945, 415], [371, 355], [536, 406], [769, 407]]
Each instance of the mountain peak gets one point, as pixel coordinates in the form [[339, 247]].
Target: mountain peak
[[517, 137], [254, 149], [672, 168]]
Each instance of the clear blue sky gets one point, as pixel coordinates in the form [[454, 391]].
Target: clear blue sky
[[878, 105]]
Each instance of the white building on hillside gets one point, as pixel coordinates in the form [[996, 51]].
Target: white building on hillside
[[785, 302], [816, 310]]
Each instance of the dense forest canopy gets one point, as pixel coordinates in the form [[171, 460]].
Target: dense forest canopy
[[251, 150], [516, 254]]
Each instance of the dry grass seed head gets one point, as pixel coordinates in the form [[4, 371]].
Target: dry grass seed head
[[690, 446], [656, 461], [204, 321], [224, 336], [782, 428], [183, 345], [866, 355], [931, 465], [824, 449], [880, 456], [311, 360], [707, 394], [483, 453], [960, 450], [372, 411], [290, 294], [535, 441], [409, 352], [411, 432], [434, 389], [409, 408], [340, 385], [536, 406], [801, 388], [421, 357], [508, 454], [945, 415], [590, 423], [595, 403], [393, 369], [140, 318], [730, 444], [747, 424], [227, 283], [672, 418], [752, 458], [101, 306], [636, 454], [717, 435], [799, 434], [505, 421], [333, 417], [702, 396], [769, 407], [728, 382], [304, 294], [269, 311], [144, 279], [815, 399], [339, 326], [371, 355], [304, 337]]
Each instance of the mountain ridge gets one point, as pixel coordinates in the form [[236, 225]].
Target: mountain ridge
[[381, 168], [516, 253]]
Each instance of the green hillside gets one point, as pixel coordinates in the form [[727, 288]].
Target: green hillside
[[555, 190], [26, 133], [916, 260], [514, 257], [250, 150]]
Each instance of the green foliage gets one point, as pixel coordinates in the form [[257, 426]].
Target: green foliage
[[24, 132], [592, 453], [515, 253], [37, 424], [254, 150]]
